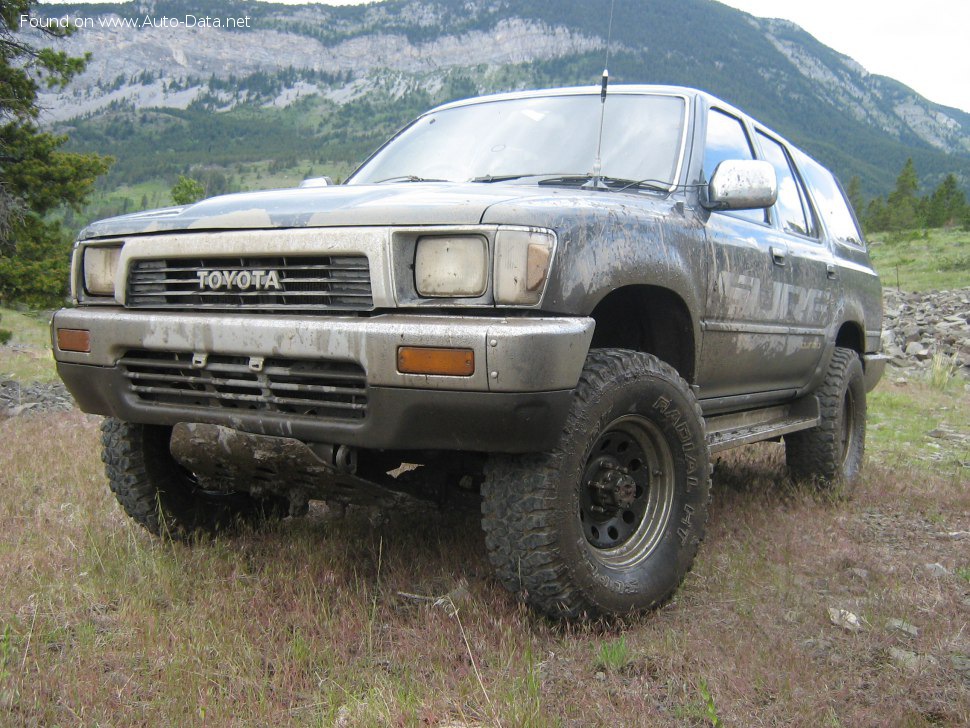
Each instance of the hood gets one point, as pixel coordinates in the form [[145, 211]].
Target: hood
[[413, 203]]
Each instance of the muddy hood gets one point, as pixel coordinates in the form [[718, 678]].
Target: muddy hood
[[401, 204]]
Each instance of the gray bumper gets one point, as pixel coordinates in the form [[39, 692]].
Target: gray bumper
[[516, 400], [873, 366]]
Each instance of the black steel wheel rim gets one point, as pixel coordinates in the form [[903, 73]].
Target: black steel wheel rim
[[627, 492]]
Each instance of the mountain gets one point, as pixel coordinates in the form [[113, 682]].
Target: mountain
[[320, 86]]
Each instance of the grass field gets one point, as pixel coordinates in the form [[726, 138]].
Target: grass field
[[27, 356], [366, 618], [369, 618], [922, 260]]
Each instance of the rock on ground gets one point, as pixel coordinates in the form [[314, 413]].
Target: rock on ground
[[18, 399], [916, 326]]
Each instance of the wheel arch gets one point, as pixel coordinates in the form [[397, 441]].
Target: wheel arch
[[851, 336], [649, 319]]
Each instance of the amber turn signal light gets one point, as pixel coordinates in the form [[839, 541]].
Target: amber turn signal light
[[431, 360], [74, 340]]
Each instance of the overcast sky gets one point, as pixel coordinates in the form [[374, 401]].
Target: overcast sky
[[923, 43]]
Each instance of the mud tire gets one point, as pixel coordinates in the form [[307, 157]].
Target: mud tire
[[160, 495], [832, 452], [633, 412]]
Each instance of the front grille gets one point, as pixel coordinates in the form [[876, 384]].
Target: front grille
[[316, 389], [320, 283]]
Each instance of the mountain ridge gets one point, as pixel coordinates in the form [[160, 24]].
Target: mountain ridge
[[858, 123]]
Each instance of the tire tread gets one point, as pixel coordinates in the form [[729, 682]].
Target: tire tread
[[519, 496]]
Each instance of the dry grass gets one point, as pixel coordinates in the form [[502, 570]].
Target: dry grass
[[27, 356], [321, 621]]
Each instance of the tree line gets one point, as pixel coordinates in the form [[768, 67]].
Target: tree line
[[37, 176], [44, 185], [905, 209]]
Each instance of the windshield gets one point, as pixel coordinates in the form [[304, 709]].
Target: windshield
[[551, 135]]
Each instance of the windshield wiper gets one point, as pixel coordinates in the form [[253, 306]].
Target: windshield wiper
[[613, 184], [408, 178], [505, 177], [649, 184], [571, 179], [500, 177]]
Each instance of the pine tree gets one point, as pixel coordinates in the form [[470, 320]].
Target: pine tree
[[37, 177], [187, 190], [947, 205], [903, 206], [854, 193], [876, 218]]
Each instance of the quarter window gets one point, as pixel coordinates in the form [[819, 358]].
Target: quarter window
[[792, 208], [830, 200]]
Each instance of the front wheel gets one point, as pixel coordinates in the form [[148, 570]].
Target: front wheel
[[164, 497], [833, 450], [610, 520]]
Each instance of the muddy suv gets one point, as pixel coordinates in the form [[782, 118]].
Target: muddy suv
[[562, 323]]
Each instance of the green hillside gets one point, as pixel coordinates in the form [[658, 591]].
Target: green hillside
[[696, 43]]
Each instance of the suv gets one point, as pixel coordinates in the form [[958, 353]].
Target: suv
[[563, 300]]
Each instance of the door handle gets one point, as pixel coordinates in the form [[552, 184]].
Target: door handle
[[778, 255], [831, 271]]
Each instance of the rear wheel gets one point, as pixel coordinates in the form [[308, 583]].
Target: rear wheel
[[611, 519], [164, 497], [833, 450]]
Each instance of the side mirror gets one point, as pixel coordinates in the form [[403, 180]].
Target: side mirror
[[316, 182], [742, 184]]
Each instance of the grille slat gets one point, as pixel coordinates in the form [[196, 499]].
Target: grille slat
[[252, 383], [304, 294], [148, 266], [250, 307], [319, 283], [149, 281], [317, 389], [236, 397]]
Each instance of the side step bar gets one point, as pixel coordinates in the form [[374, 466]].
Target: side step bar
[[727, 431]]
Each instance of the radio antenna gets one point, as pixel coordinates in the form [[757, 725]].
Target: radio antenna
[[598, 162]]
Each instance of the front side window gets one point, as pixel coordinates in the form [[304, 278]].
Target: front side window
[[643, 139], [727, 139], [792, 208]]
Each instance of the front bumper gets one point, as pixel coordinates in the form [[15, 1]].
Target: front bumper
[[515, 401]]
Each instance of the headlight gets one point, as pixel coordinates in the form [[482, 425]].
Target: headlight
[[521, 265], [100, 266], [448, 267]]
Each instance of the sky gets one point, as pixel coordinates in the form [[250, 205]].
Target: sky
[[923, 44]]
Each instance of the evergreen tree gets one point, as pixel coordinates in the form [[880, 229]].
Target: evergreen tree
[[903, 211], [876, 218], [187, 190], [36, 177], [947, 205], [854, 193]]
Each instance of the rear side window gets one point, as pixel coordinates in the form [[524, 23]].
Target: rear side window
[[830, 200], [727, 139], [794, 212]]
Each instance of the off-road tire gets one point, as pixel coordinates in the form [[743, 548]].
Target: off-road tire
[[832, 451], [644, 422], [162, 496]]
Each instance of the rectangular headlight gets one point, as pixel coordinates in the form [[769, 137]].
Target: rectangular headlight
[[100, 266], [522, 260], [451, 266]]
